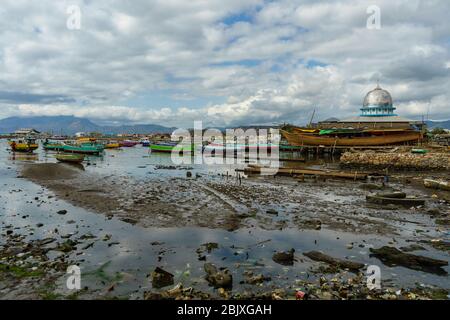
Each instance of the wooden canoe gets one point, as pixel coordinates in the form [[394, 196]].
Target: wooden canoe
[[300, 139], [408, 202], [252, 169], [71, 158]]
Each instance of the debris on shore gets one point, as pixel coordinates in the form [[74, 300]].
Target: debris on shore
[[397, 160], [344, 264], [391, 256]]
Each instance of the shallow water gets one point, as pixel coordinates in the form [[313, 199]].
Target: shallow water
[[134, 256]]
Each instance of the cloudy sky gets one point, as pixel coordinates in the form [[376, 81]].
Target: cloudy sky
[[228, 62]]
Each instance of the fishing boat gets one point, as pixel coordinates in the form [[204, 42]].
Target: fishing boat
[[144, 142], [70, 158], [297, 138], [112, 145], [54, 146], [26, 145], [222, 149], [128, 143], [84, 148], [171, 147]]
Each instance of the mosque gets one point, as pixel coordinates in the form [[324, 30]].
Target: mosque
[[377, 112]]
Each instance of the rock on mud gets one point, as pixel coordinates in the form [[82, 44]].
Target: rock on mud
[[161, 278], [218, 279], [391, 256], [284, 258]]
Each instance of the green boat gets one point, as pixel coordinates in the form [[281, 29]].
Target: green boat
[[71, 158], [419, 151], [53, 146], [85, 148], [171, 146]]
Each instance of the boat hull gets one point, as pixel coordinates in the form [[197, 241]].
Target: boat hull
[[112, 146], [82, 149], [54, 147], [70, 158], [299, 139], [168, 148], [23, 147]]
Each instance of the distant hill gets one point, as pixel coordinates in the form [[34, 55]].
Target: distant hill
[[71, 125], [438, 124]]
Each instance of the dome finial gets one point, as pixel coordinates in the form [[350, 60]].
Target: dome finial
[[378, 83]]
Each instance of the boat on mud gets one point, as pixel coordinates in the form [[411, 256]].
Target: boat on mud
[[128, 143], [112, 145], [53, 146], [215, 149], [70, 158], [171, 147], [232, 148], [84, 148], [396, 198], [25, 145], [144, 142], [351, 138]]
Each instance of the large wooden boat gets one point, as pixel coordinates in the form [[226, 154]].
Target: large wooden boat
[[298, 138]]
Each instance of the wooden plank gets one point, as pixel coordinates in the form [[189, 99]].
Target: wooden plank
[[291, 172]]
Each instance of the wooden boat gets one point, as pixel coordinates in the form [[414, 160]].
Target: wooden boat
[[144, 142], [128, 143], [300, 172], [222, 149], [53, 146], [419, 151], [71, 158], [85, 148], [302, 139], [112, 145], [397, 198], [170, 147], [27, 145]]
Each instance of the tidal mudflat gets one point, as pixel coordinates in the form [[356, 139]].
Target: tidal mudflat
[[141, 228]]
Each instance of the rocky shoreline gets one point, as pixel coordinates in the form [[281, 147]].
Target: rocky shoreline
[[396, 160], [256, 204]]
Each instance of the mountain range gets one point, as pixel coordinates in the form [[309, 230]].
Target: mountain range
[[438, 124], [71, 125]]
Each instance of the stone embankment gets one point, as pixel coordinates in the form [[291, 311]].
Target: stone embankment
[[397, 160]]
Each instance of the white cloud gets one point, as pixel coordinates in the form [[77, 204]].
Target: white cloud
[[270, 61]]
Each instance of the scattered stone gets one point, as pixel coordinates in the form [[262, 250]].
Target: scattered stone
[[161, 278], [62, 212], [412, 247], [284, 258], [391, 256], [218, 279]]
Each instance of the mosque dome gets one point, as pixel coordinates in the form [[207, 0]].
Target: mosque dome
[[378, 102]]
